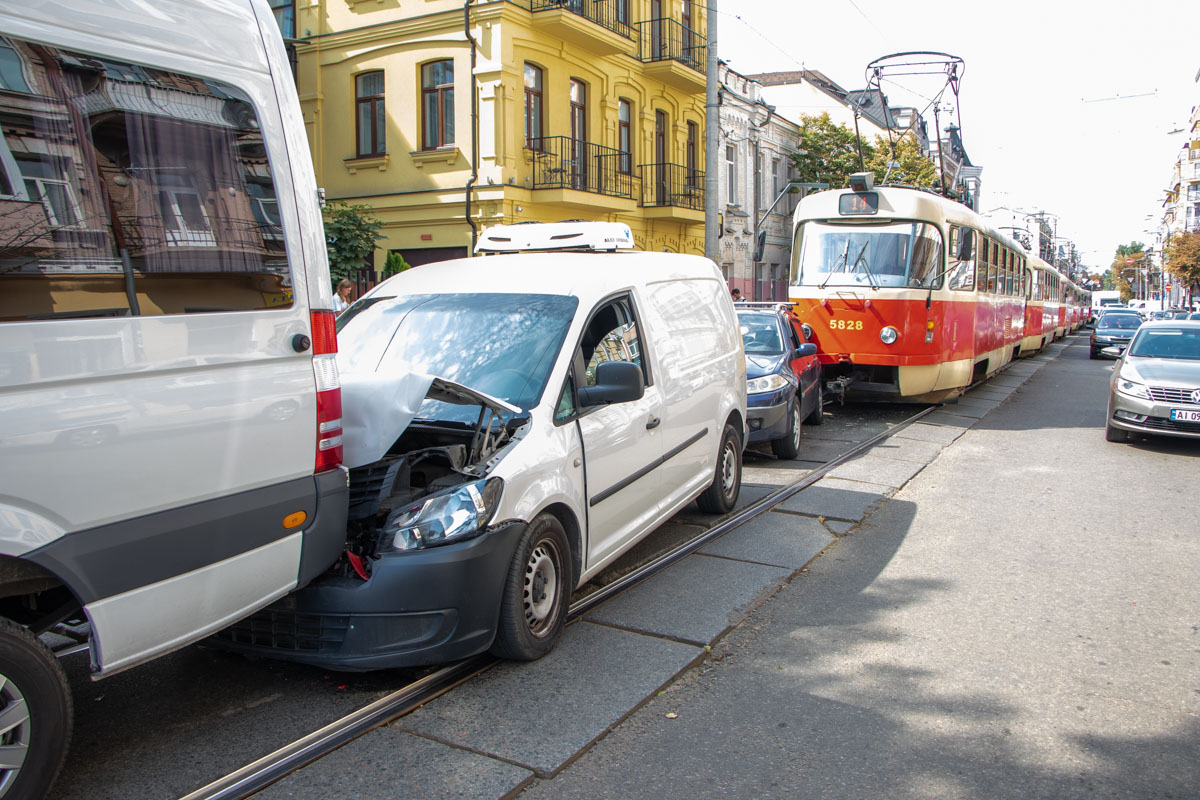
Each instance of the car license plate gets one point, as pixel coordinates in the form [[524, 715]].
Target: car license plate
[[1184, 415]]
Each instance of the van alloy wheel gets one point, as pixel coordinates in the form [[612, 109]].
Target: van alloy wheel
[[35, 714]]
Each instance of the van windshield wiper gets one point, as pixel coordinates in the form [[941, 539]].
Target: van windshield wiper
[[841, 263]]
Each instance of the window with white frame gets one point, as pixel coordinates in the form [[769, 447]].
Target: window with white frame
[[184, 218], [731, 172], [46, 182]]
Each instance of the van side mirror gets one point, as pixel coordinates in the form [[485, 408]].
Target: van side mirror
[[806, 349], [616, 382]]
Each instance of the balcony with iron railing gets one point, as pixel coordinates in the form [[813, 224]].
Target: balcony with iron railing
[[561, 162], [672, 191], [672, 52], [600, 26]]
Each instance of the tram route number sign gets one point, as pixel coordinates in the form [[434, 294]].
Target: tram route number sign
[[858, 203]]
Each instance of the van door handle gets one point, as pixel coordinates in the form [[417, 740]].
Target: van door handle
[[653, 423]]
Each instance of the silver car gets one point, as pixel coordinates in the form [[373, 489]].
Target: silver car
[[1156, 382]]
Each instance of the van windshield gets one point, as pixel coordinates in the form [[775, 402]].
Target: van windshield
[[503, 345], [887, 255]]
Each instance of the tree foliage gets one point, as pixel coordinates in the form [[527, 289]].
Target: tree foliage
[[1183, 257], [1123, 272], [351, 232], [830, 152], [393, 264], [915, 168]]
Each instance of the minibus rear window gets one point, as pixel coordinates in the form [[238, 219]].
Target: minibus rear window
[[132, 191]]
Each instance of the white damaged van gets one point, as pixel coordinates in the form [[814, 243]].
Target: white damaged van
[[514, 424], [170, 441]]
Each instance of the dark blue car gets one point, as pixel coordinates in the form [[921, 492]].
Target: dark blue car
[[783, 376]]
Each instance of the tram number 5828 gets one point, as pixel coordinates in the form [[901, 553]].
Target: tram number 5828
[[845, 324]]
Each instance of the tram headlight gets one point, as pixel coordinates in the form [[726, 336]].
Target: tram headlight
[[889, 335]]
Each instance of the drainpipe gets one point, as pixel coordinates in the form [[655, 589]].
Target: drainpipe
[[474, 126]]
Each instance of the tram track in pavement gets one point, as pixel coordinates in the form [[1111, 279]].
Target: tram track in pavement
[[262, 772]]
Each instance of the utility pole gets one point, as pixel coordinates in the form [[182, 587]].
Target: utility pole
[[712, 130]]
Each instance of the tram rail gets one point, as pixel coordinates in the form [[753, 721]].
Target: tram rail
[[259, 774]]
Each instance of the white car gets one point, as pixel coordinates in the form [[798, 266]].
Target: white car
[[515, 423]]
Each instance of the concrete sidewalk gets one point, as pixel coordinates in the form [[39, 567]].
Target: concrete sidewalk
[[1006, 624]]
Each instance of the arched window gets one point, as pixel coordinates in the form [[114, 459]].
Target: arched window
[[624, 137], [368, 90], [437, 103]]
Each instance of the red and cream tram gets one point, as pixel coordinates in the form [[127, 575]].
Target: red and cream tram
[[911, 296]]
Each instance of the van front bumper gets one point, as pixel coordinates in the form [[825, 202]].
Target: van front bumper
[[419, 607]]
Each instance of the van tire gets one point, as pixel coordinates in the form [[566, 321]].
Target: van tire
[[721, 496], [33, 677], [533, 607]]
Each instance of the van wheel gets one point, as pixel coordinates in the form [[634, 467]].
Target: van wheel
[[788, 446], [35, 714], [533, 607], [721, 496]]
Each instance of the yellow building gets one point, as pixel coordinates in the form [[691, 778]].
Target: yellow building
[[448, 116]]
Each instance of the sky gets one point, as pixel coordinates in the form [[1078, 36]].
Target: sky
[[1068, 107]]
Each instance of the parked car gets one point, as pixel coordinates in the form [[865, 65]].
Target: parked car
[[1156, 383], [1112, 328], [783, 376], [513, 424]]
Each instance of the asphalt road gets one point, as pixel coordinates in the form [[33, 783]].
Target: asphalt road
[[1021, 620]]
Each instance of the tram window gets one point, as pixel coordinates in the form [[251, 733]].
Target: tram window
[[962, 258], [895, 254], [1009, 276], [993, 284], [981, 266]]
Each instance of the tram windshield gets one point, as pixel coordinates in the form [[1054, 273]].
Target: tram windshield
[[907, 254]]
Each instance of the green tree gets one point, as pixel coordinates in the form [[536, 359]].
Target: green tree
[[830, 152], [351, 232], [393, 264], [1125, 264], [914, 167], [1183, 257]]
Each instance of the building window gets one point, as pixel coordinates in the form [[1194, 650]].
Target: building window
[[776, 179], [368, 89], [1193, 193], [12, 76], [184, 218], [533, 107], [693, 175], [437, 92], [285, 16], [45, 181], [624, 139], [759, 186], [621, 9], [731, 172]]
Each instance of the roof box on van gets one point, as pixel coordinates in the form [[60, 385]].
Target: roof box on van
[[572, 235]]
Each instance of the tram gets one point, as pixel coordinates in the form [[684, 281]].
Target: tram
[[914, 297]]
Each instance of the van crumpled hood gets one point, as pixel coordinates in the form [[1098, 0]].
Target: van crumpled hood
[[377, 408]]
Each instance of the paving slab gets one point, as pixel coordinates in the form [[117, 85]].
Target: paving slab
[[924, 432], [782, 540], [775, 476], [838, 527], [988, 394], [694, 601], [837, 499], [390, 763], [950, 419], [972, 408], [539, 714], [900, 449], [884, 471], [752, 491], [1011, 382]]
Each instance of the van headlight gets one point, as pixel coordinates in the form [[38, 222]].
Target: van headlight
[[1132, 388], [453, 516], [767, 383]]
